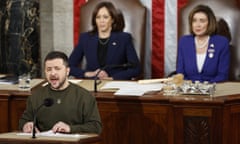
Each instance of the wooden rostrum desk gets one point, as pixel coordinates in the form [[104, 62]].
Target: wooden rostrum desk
[[154, 118], [15, 138], [12, 104]]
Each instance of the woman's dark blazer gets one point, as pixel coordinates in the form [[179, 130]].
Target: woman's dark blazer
[[216, 65], [120, 51]]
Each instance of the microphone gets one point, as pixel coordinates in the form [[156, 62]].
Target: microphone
[[126, 65], [129, 65], [47, 102]]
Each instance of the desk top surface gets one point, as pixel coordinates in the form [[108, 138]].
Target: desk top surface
[[14, 87], [15, 137], [227, 91]]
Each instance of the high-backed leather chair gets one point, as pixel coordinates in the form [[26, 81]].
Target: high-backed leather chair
[[228, 12], [134, 14]]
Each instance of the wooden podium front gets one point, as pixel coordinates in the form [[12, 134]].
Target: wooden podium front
[[13, 138], [149, 119]]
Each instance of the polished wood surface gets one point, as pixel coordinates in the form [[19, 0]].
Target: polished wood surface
[[13, 138], [4, 110], [185, 119], [155, 118]]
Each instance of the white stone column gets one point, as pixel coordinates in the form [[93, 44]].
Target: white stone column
[[56, 26]]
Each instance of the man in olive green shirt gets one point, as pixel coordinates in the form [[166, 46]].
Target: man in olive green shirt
[[74, 109]]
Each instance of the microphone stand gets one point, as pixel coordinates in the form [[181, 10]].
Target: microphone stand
[[34, 126], [35, 121], [47, 102], [96, 78], [109, 66]]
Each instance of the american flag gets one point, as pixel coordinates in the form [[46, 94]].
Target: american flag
[[161, 59]]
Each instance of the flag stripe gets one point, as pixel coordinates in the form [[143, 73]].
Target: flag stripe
[[76, 19], [170, 37], [157, 38]]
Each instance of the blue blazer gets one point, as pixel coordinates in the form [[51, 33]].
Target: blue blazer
[[216, 65], [120, 51]]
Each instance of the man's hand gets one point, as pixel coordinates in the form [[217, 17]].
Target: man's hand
[[28, 127], [61, 127], [102, 74]]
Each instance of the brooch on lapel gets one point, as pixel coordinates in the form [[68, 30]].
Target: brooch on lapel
[[211, 51], [114, 43]]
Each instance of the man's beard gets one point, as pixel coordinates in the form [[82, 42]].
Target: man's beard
[[60, 84]]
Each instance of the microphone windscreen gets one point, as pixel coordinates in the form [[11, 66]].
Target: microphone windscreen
[[48, 102]]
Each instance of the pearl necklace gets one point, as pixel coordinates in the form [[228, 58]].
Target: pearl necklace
[[204, 44]]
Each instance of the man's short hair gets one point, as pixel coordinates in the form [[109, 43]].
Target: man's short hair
[[57, 54]]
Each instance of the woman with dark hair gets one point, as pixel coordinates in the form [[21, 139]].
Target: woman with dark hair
[[105, 48], [203, 55]]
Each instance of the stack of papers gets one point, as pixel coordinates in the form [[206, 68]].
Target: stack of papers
[[131, 88], [8, 80], [50, 133]]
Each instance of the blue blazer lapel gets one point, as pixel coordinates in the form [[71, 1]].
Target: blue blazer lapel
[[112, 47], [193, 55], [93, 45], [207, 59]]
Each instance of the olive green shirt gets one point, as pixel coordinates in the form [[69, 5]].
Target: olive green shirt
[[74, 106]]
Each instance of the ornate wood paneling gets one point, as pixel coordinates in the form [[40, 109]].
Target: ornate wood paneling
[[139, 123], [153, 118], [4, 120], [196, 130]]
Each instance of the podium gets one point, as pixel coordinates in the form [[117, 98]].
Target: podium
[[14, 138], [148, 119]]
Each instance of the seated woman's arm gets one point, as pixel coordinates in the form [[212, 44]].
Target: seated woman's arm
[[224, 62], [76, 58], [132, 59]]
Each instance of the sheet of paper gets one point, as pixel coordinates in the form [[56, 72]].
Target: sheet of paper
[[131, 87], [117, 84], [50, 133], [76, 81], [9, 80], [2, 75]]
